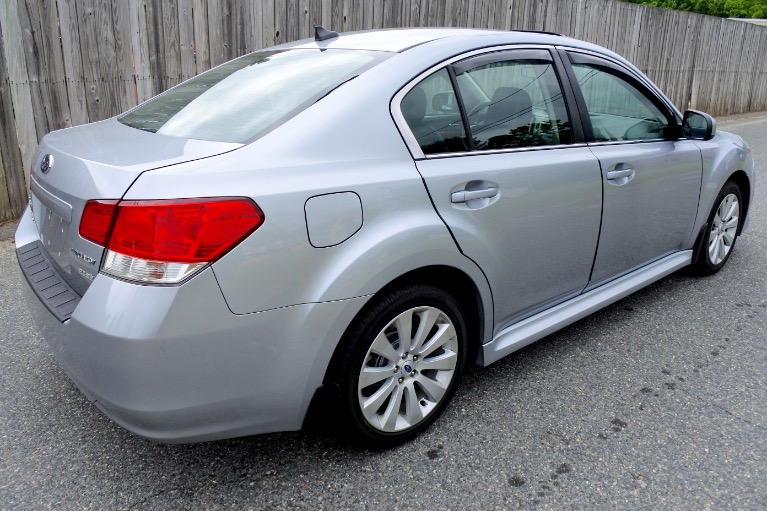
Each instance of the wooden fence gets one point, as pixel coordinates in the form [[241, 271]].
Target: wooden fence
[[68, 62]]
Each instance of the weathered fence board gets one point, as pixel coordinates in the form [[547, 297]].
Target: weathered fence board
[[268, 37], [30, 45], [5, 201], [186, 38], [126, 87], [73, 63], [171, 37], [142, 68], [156, 44], [68, 62], [13, 194], [54, 67], [18, 79], [97, 43], [201, 38]]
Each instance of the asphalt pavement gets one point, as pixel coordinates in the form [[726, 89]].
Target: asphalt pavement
[[656, 402]]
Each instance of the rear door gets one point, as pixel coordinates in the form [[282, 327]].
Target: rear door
[[507, 174], [651, 177]]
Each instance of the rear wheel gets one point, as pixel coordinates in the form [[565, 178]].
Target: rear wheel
[[723, 225], [401, 364]]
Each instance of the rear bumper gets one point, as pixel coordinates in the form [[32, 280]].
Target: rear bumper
[[174, 364]]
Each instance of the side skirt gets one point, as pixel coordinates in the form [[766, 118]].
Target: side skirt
[[529, 330]]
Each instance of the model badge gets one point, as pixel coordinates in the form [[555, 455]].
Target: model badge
[[87, 276], [47, 163], [84, 257]]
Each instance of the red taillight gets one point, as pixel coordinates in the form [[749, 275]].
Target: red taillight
[[97, 219], [182, 230], [166, 241]]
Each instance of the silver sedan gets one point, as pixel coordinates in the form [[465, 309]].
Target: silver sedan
[[333, 229]]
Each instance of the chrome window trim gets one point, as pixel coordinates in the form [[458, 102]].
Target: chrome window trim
[[407, 135], [503, 151], [622, 142]]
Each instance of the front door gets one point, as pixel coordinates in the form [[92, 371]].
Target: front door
[[520, 198], [651, 178]]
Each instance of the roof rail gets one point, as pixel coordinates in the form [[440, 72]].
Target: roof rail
[[539, 32]]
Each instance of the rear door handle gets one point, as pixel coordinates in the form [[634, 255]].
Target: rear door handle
[[467, 195], [619, 173]]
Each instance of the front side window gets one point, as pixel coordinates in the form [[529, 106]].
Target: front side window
[[618, 109], [239, 100], [514, 103]]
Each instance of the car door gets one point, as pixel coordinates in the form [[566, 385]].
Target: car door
[[508, 173], [651, 177]]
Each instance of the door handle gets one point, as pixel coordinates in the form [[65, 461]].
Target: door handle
[[617, 174], [467, 195]]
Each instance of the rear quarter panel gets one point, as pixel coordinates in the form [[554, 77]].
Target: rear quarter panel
[[345, 142]]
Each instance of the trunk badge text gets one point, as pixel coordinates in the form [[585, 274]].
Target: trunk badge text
[[47, 163], [82, 256], [85, 274]]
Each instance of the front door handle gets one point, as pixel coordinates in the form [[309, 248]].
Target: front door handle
[[467, 195]]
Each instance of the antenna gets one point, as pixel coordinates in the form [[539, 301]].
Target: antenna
[[322, 34]]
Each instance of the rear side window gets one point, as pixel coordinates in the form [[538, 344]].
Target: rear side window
[[432, 113], [498, 100], [245, 98], [514, 103]]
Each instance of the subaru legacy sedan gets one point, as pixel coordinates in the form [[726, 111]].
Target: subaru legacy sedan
[[332, 229]]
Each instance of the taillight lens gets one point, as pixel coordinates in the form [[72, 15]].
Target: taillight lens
[[182, 231], [97, 219], [166, 241]]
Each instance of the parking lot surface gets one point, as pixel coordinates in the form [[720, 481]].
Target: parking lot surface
[[656, 402]]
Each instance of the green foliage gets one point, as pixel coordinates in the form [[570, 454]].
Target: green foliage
[[723, 8]]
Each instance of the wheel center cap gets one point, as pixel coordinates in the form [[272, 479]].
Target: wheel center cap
[[408, 366]]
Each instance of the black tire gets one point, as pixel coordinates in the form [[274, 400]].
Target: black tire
[[709, 260], [355, 355]]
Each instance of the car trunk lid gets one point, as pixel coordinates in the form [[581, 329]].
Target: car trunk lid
[[95, 161]]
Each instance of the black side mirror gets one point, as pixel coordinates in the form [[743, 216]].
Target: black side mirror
[[444, 102], [698, 125]]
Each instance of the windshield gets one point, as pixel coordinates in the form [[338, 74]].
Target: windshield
[[244, 98]]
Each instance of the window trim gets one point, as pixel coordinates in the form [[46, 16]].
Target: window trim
[[412, 144], [467, 64], [488, 152], [461, 108]]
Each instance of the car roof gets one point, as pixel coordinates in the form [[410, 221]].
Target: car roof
[[398, 40]]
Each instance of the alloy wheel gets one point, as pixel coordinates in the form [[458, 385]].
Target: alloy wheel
[[408, 369], [724, 229]]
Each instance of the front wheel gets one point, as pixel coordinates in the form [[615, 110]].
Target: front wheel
[[401, 365], [723, 226]]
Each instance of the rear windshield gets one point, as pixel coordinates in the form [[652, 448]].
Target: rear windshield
[[245, 98]]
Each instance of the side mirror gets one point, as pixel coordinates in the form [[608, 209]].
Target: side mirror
[[444, 102], [698, 125]]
